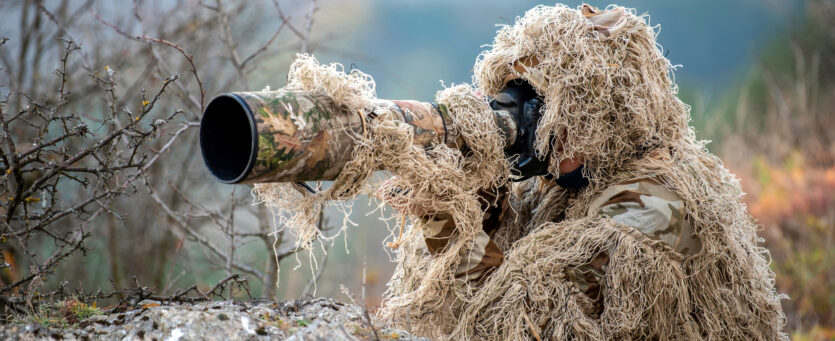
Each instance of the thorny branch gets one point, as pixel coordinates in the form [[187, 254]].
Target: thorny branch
[[223, 220], [69, 154], [139, 294], [61, 153], [190, 59], [303, 35]]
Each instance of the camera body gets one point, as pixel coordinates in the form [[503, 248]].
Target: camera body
[[524, 105]]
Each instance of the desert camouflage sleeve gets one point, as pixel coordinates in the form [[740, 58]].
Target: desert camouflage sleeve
[[650, 208], [439, 231]]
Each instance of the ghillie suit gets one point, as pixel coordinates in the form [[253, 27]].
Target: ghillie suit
[[656, 246]]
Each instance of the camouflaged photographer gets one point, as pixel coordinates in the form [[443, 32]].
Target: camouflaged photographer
[[621, 225]]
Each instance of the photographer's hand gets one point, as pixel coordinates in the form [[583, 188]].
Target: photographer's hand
[[439, 230]]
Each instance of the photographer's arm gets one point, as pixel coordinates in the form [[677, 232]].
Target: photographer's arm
[[439, 231]]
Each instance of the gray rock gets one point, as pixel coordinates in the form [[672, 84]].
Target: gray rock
[[315, 319]]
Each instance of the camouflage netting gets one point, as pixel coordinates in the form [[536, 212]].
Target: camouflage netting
[[610, 99]]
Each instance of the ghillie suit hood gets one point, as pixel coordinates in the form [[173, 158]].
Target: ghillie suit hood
[[607, 86], [609, 98]]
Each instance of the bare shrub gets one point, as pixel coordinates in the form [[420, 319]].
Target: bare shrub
[[101, 178]]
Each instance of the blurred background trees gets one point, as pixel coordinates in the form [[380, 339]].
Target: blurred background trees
[[103, 180], [758, 74], [775, 130]]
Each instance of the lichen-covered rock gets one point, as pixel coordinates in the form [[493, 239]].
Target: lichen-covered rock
[[316, 319]]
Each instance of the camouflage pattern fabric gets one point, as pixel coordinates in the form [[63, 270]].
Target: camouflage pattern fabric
[[590, 280], [650, 208], [643, 204], [439, 231], [300, 136], [305, 137]]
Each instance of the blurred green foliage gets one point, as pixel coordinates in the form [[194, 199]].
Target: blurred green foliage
[[775, 131], [64, 314]]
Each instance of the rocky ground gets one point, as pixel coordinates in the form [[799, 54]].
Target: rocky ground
[[315, 319]]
